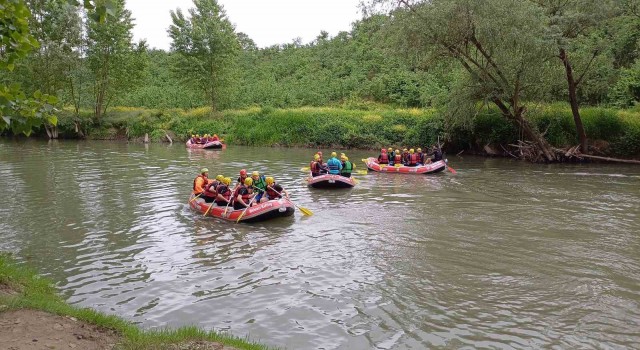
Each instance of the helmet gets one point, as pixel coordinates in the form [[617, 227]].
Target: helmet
[[192, 135], [220, 178], [405, 150], [255, 173], [347, 158], [204, 170], [383, 150], [319, 153], [397, 151], [270, 180], [316, 157], [215, 135], [343, 157], [197, 135], [226, 181], [243, 172], [412, 151], [248, 181], [390, 149], [419, 150], [206, 135], [334, 154]]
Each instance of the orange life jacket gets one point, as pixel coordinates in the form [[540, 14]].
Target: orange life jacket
[[198, 186], [383, 158], [413, 159]]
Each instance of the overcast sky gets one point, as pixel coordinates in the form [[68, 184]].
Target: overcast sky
[[267, 22]]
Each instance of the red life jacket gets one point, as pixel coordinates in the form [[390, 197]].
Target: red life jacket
[[245, 197], [314, 167], [224, 191], [398, 158], [272, 194], [383, 158], [413, 159]]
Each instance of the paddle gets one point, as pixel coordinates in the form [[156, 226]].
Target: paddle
[[245, 209], [305, 169], [361, 172], [194, 198], [226, 208], [304, 210], [211, 206]]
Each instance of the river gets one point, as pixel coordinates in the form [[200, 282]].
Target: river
[[504, 254]]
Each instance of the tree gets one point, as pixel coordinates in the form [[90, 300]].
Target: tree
[[573, 25], [207, 48], [116, 63], [497, 43]]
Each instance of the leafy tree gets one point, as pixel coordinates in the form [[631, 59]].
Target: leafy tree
[[206, 46], [116, 63]]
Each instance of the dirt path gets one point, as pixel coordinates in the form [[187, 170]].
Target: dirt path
[[31, 330]]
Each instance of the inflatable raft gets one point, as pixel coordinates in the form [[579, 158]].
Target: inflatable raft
[[208, 145], [432, 168], [330, 181], [261, 212]]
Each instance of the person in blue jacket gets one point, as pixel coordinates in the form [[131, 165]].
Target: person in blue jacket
[[334, 164]]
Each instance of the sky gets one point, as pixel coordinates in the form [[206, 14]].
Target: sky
[[267, 22]]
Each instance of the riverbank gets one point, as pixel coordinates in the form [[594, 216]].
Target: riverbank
[[611, 132], [33, 316]]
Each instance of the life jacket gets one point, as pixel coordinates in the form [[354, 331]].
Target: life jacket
[[347, 167], [421, 158], [224, 191], [398, 158], [215, 138], [334, 166], [383, 158], [413, 159], [260, 184], [212, 186], [315, 168], [246, 196], [199, 189], [271, 193], [241, 180]]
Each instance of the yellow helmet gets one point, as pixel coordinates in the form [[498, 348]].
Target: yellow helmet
[[192, 135], [343, 157], [270, 180], [397, 151], [248, 181], [405, 150], [255, 173], [316, 157], [226, 181], [419, 150], [334, 154], [204, 170], [347, 158], [412, 151], [390, 149], [197, 135], [220, 178]]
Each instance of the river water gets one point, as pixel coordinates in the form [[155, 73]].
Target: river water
[[504, 254]]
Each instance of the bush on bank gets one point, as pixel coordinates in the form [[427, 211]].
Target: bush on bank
[[362, 126]]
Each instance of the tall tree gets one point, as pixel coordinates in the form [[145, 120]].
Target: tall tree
[[496, 42], [117, 64], [207, 48], [573, 25]]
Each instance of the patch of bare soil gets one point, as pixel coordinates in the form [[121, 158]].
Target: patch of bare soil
[[31, 330]]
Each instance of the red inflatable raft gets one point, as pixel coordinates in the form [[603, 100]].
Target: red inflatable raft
[[330, 181], [261, 212], [208, 145], [432, 168]]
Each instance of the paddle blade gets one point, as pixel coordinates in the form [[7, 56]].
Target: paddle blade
[[305, 169], [452, 170], [361, 172], [364, 160], [305, 211]]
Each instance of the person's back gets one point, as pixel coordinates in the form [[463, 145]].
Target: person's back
[[314, 166], [347, 167], [383, 158], [437, 155], [334, 164]]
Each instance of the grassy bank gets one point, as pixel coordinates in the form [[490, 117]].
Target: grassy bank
[[614, 132], [32, 292]]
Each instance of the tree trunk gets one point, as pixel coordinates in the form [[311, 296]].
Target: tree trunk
[[573, 100]]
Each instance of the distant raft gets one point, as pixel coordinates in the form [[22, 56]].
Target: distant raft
[[208, 145], [431, 168], [330, 181], [261, 212]]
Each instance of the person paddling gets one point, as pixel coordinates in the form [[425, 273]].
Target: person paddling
[[243, 176], [391, 154], [315, 165], [244, 195], [412, 159], [274, 190], [383, 158], [210, 193], [224, 192], [347, 166], [397, 158], [201, 181], [334, 164], [420, 156], [259, 185], [215, 137]]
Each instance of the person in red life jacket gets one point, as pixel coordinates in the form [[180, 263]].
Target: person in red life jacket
[[274, 190], [413, 158], [244, 194], [224, 192], [215, 137], [420, 156], [210, 193], [397, 158], [314, 166], [243, 176], [201, 181], [383, 158], [193, 139]]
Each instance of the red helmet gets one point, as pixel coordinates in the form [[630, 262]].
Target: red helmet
[[383, 150], [243, 172], [319, 153]]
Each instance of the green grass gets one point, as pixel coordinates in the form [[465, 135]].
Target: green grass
[[373, 126], [38, 293]]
